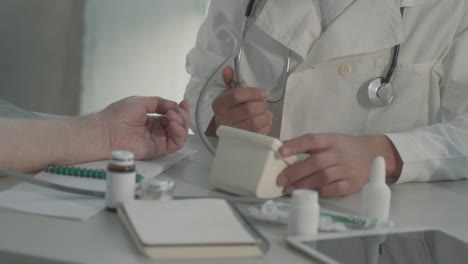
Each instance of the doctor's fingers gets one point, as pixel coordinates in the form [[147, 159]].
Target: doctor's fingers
[[228, 76], [235, 96], [260, 123], [244, 111], [307, 143], [338, 188], [318, 166], [316, 181]]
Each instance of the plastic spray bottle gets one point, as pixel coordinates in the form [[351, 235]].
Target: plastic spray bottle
[[376, 194]]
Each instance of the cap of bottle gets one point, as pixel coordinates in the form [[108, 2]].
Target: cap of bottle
[[158, 184], [377, 174], [157, 188], [302, 197], [122, 158]]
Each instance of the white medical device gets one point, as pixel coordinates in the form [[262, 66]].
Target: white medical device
[[248, 163]]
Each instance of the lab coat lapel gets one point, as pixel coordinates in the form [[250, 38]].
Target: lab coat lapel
[[295, 24], [366, 26], [413, 3]]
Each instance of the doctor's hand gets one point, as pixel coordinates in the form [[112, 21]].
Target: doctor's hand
[[241, 107], [337, 164], [128, 127]]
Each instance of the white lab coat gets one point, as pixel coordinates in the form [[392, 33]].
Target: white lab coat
[[337, 48]]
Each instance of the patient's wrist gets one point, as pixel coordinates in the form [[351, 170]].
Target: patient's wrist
[[90, 136]]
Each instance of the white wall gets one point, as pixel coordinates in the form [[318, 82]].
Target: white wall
[[137, 48], [40, 54]]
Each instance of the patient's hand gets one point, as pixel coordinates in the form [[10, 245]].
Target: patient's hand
[[148, 137]]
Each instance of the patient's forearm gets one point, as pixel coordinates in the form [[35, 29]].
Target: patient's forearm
[[29, 145]]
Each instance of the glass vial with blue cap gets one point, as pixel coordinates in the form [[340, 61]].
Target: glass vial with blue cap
[[120, 182]]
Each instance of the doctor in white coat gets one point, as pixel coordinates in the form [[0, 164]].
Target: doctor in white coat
[[336, 48]]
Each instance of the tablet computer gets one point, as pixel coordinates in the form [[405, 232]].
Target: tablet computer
[[423, 245]]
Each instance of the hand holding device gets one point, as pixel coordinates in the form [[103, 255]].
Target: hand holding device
[[242, 107], [338, 164]]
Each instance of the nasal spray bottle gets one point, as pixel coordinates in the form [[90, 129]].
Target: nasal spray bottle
[[376, 194]]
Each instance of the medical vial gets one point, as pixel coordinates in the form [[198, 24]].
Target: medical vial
[[120, 180], [159, 188], [376, 194], [304, 214]]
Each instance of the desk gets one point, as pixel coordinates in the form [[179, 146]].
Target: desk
[[102, 239]]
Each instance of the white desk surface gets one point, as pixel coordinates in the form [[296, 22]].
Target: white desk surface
[[102, 239]]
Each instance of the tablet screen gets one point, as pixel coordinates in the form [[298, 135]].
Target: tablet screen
[[430, 246]]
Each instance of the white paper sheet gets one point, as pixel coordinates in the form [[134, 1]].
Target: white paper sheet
[[35, 199]]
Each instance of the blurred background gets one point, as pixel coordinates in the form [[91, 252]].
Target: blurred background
[[71, 57]]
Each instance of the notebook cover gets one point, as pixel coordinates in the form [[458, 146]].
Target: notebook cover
[[250, 246]]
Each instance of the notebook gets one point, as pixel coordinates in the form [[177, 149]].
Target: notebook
[[187, 229]]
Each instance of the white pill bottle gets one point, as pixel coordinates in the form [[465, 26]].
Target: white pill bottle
[[304, 214], [120, 179]]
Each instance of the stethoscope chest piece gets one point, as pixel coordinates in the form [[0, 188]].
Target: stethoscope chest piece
[[380, 93]]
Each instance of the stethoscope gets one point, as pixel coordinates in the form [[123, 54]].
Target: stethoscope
[[379, 91]]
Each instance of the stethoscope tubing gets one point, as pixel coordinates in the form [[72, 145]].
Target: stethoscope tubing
[[251, 6]]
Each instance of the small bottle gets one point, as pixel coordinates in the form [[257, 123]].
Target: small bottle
[[376, 194], [120, 182], [304, 214], [158, 188]]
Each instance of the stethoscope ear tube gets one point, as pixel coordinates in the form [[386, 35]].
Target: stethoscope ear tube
[[249, 9], [198, 111], [391, 70]]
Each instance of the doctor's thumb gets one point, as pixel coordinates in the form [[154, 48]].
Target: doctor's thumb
[[228, 76]]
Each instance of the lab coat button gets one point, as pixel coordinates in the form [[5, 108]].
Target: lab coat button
[[345, 70]]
